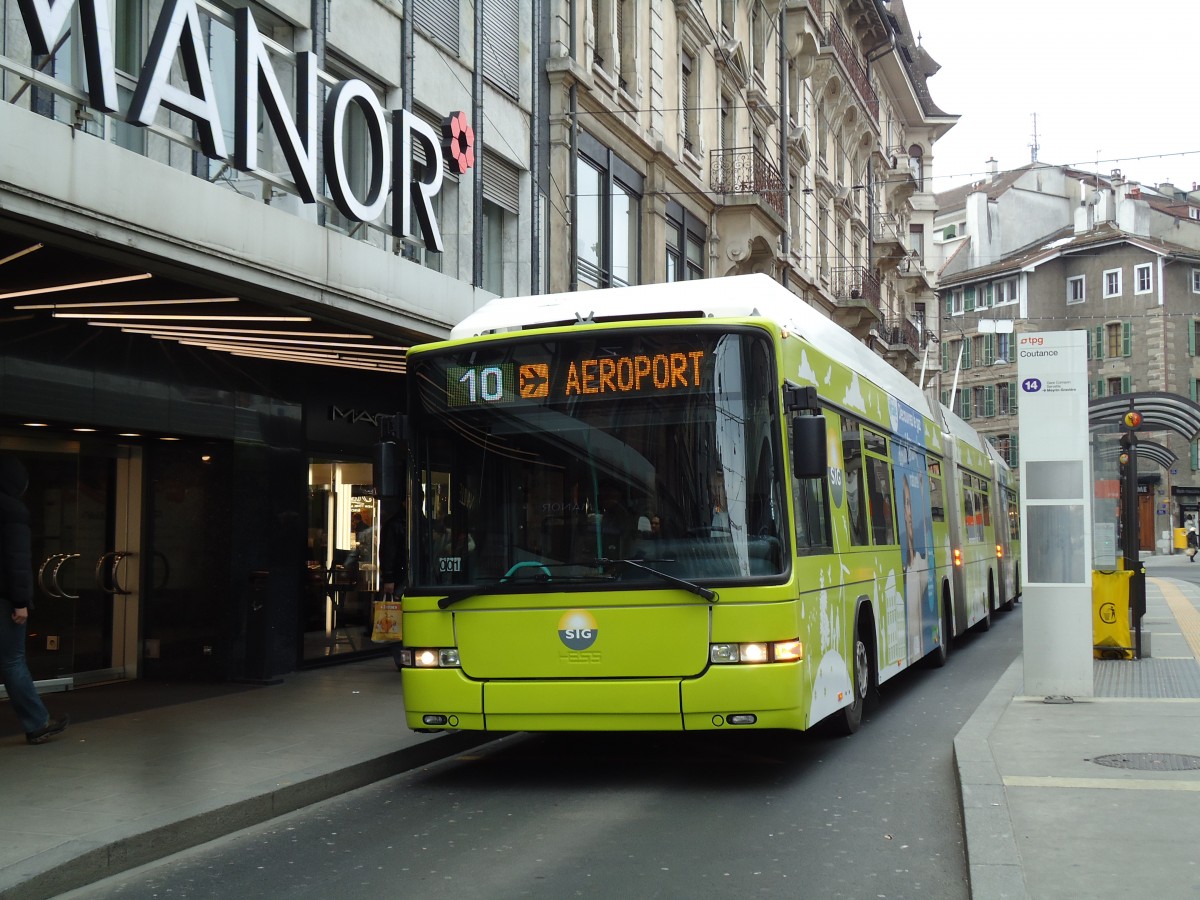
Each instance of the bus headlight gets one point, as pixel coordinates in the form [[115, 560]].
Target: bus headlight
[[430, 658], [754, 652]]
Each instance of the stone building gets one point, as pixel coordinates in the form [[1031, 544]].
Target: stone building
[[692, 139], [1120, 262]]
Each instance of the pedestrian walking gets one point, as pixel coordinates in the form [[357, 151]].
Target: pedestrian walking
[[1193, 543], [16, 600]]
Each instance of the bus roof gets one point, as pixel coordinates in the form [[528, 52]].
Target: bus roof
[[733, 296]]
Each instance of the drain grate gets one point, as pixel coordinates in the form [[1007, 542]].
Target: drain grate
[[1150, 762]]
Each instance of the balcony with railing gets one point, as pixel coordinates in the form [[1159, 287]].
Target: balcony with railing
[[855, 285], [746, 170], [852, 64], [902, 334]]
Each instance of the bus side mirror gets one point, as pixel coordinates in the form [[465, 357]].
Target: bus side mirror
[[809, 458]]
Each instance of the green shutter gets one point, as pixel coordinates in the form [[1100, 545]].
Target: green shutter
[[1088, 332], [948, 299], [987, 295], [1100, 388], [989, 349], [1126, 385], [1014, 457], [1126, 338], [1195, 456], [966, 352], [989, 400], [945, 357], [1099, 342], [964, 404], [1192, 338], [1013, 395], [1192, 385], [969, 299], [945, 398]]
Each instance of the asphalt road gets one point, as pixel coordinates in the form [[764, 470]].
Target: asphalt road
[[876, 815]]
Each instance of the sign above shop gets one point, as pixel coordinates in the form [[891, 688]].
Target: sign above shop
[[178, 33]]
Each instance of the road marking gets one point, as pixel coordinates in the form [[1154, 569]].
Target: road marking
[[1132, 784]]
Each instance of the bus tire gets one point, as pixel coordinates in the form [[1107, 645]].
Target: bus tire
[[850, 717], [938, 657]]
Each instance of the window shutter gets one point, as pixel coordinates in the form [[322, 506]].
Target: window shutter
[[964, 405], [945, 398], [1195, 456], [1012, 397], [1126, 338], [502, 48], [1099, 342], [966, 352], [989, 400], [969, 299], [945, 357], [1088, 332], [989, 349], [948, 296], [439, 20], [501, 182], [1125, 384], [987, 294], [1192, 338], [1014, 457], [1100, 388]]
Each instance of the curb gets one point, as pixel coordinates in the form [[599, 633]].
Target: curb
[[993, 863], [65, 868]]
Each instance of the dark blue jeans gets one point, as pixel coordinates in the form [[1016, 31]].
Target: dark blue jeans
[[17, 681]]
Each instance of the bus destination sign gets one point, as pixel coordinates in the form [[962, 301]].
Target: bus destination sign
[[541, 381]]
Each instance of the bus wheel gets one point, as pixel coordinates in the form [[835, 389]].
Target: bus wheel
[[938, 657], [851, 717]]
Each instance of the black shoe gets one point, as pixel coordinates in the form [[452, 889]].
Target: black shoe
[[47, 731]]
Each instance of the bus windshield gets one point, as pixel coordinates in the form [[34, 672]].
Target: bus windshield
[[541, 462]]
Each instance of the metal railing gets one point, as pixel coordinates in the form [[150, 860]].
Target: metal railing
[[746, 170], [855, 284], [902, 333], [855, 70]]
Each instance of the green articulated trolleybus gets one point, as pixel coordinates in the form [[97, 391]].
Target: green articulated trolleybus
[[688, 506]]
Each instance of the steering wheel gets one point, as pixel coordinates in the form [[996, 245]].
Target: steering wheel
[[527, 564]]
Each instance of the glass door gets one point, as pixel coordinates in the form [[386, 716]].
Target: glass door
[[83, 502]]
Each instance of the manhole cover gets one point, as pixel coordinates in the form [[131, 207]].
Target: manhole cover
[[1150, 762]]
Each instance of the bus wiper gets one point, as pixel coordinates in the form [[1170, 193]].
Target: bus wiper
[[475, 590], [690, 586]]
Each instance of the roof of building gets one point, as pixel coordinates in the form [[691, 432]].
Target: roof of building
[[916, 60], [1062, 242]]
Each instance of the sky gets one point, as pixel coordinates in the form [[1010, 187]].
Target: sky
[[1113, 85]]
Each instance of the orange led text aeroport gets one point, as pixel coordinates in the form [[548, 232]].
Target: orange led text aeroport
[[623, 374]]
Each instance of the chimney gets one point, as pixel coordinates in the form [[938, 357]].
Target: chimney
[[993, 168]]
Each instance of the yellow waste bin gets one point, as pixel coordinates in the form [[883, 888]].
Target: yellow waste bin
[[1111, 635], [1180, 538]]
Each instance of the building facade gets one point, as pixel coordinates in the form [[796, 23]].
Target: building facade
[[221, 225], [1114, 260]]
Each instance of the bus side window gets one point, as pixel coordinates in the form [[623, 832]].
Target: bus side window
[[883, 529], [856, 493], [812, 515]]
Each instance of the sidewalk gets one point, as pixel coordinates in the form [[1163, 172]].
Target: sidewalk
[[1100, 797], [117, 792]]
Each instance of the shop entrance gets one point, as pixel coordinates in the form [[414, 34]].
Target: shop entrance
[[84, 503], [343, 552]]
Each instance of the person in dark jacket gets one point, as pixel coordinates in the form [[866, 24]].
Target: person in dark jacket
[[16, 600]]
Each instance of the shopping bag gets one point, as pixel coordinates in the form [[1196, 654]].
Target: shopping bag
[[385, 621]]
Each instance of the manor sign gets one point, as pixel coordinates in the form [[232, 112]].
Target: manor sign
[[178, 31]]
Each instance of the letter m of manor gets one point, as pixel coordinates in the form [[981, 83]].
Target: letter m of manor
[[46, 23]]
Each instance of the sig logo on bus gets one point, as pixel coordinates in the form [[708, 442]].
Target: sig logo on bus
[[577, 629]]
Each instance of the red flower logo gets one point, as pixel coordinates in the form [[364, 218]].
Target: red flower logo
[[458, 141]]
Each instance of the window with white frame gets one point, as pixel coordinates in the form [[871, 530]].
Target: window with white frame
[[1112, 283], [1143, 282], [1196, 281], [1006, 291], [956, 302], [1075, 289]]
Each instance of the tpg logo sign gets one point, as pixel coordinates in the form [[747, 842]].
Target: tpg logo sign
[[577, 629]]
